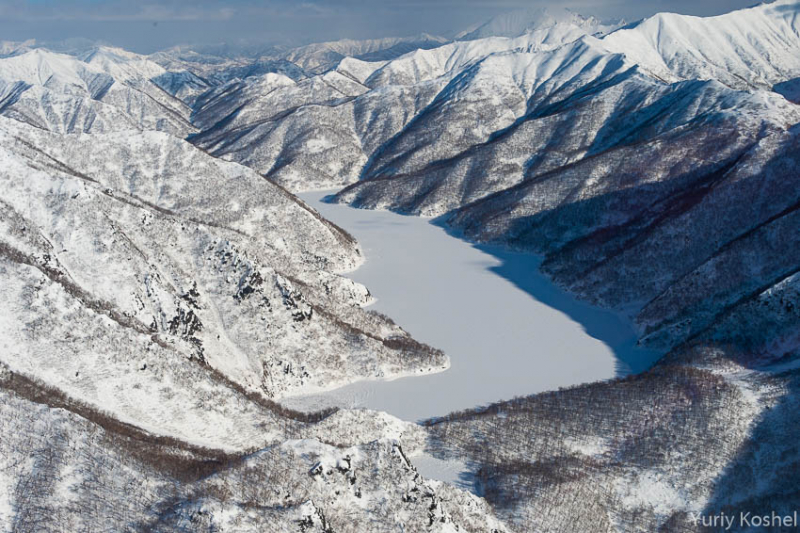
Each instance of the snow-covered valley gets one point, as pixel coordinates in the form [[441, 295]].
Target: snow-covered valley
[[507, 329], [186, 345]]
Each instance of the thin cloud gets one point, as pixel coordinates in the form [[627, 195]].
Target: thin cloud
[[103, 11], [207, 22]]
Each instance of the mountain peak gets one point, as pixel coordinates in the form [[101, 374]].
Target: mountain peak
[[8, 48], [522, 21]]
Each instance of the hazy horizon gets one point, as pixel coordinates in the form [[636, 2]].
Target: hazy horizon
[[146, 27]]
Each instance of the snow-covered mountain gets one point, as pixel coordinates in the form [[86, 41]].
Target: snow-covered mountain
[[522, 21], [104, 90], [750, 48], [321, 57], [191, 72], [9, 48], [163, 290], [320, 132], [427, 111]]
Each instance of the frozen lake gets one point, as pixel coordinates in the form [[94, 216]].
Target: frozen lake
[[507, 329]]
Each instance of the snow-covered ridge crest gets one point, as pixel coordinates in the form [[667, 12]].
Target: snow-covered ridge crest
[[122, 64], [104, 90], [519, 22], [755, 47], [8, 48], [425, 65], [320, 57], [470, 92]]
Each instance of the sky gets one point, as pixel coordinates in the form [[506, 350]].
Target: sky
[[150, 25]]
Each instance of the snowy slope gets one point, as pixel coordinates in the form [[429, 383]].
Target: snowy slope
[[651, 452], [82, 469], [130, 232]]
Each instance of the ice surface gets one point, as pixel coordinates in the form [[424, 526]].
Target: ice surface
[[507, 329]]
